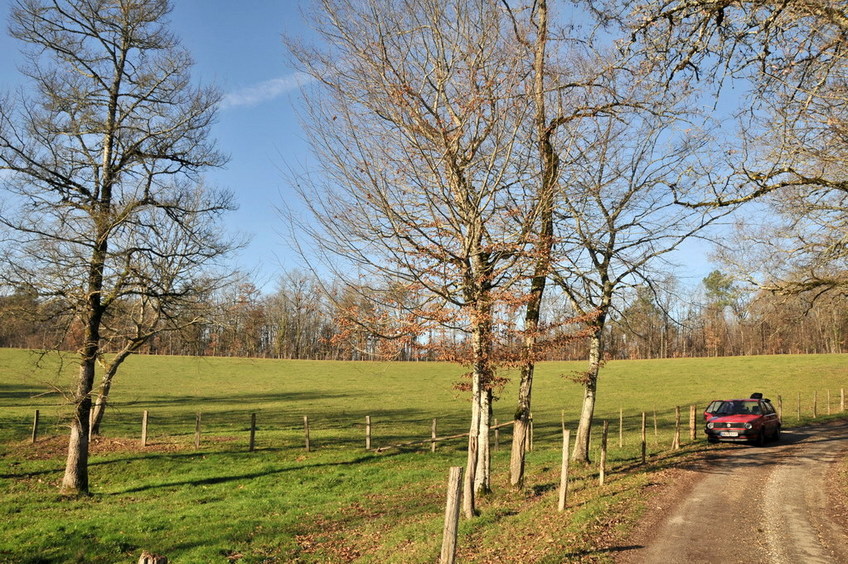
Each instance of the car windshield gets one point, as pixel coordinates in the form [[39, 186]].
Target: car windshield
[[738, 408]]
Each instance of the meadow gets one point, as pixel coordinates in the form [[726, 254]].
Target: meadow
[[339, 502]]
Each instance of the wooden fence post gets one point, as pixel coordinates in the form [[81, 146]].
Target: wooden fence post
[[367, 432], [449, 533], [675, 444], [693, 426], [799, 406], [563, 477], [828, 401], [815, 404], [306, 431], [603, 471], [780, 408], [433, 437], [842, 399], [35, 426], [497, 436], [252, 432], [144, 421], [197, 431], [644, 440], [529, 442]]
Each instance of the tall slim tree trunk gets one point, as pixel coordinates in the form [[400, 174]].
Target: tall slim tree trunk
[[483, 475], [549, 173], [580, 453]]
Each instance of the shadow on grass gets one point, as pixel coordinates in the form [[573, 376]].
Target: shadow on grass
[[214, 480]]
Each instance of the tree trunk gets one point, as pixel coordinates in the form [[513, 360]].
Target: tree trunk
[[545, 201], [590, 388], [483, 476], [75, 480]]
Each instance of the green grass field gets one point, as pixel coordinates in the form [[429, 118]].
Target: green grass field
[[339, 502]]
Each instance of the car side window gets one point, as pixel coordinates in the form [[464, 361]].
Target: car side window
[[768, 409]]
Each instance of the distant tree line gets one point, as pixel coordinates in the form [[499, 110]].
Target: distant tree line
[[302, 319]]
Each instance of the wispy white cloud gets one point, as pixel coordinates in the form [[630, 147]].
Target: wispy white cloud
[[264, 91]]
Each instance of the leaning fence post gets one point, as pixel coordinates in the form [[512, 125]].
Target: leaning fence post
[[306, 430], [563, 477], [693, 432], [644, 439], [144, 420], [675, 444], [603, 453], [35, 426], [252, 432], [367, 432], [433, 437], [449, 533], [815, 404]]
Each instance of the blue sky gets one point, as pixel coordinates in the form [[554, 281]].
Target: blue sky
[[237, 46]]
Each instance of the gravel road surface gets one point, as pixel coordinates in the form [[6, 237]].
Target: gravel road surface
[[744, 504]]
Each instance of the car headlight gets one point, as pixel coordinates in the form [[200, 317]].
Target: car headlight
[[710, 425], [748, 425]]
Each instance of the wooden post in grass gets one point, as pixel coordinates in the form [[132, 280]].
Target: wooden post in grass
[[144, 420], [799, 406], [449, 533], [367, 432], [644, 440], [563, 477], [197, 431], [252, 432], [603, 471], [675, 444], [35, 427], [306, 430], [497, 436], [842, 399], [828, 401], [693, 431], [815, 404], [433, 436], [780, 408], [529, 441]]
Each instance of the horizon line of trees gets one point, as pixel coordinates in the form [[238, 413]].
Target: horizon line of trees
[[301, 321]]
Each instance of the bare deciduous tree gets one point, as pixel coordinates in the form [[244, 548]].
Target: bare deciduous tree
[[787, 64], [417, 133], [105, 212], [616, 216]]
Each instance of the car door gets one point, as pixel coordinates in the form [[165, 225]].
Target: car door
[[770, 420]]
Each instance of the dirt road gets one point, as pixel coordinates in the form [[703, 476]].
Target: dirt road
[[753, 505]]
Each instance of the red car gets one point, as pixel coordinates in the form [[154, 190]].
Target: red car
[[753, 420]]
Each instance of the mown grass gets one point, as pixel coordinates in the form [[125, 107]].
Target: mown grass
[[340, 503]]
